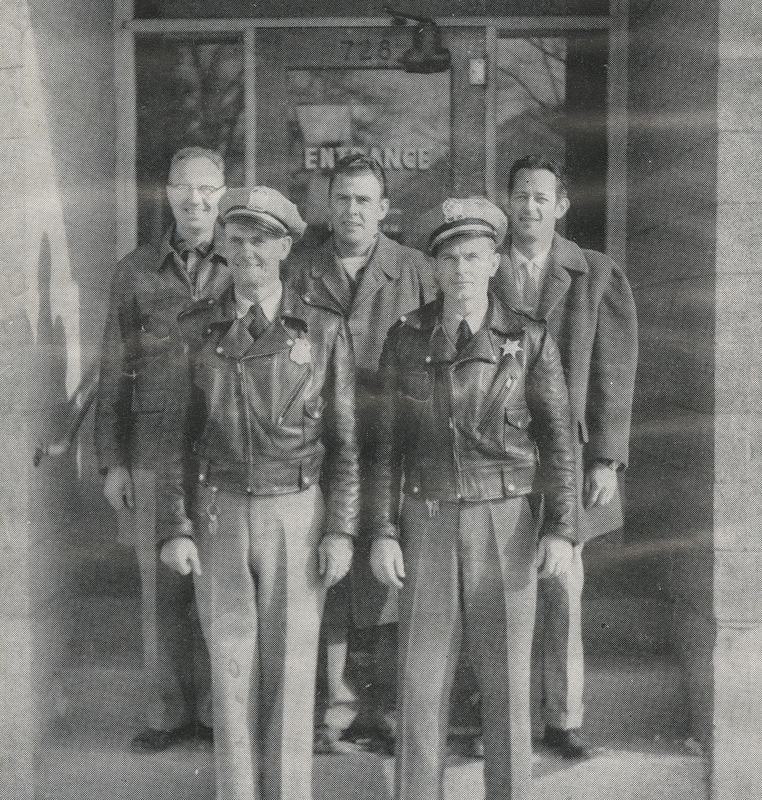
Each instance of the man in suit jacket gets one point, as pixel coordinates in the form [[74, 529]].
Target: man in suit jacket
[[373, 281], [587, 304]]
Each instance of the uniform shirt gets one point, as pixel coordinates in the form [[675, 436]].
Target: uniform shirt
[[269, 304]]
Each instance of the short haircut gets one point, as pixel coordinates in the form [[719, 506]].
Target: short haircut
[[187, 153], [358, 164], [539, 162]]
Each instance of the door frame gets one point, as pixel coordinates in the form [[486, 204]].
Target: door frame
[[128, 28]]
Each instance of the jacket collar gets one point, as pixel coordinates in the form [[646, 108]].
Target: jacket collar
[[564, 260], [382, 267], [166, 250], [235, 341], [484, 345]]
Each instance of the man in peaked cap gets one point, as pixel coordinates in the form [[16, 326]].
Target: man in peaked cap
[[276, 378], [473, 392]]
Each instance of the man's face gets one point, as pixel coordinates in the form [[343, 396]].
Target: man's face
[[463, 268], [254, 258], [534, 206], [193, 205], [356, 209]]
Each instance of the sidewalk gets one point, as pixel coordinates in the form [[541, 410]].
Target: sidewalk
[[635, 718]]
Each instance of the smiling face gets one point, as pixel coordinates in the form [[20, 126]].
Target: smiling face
[[356, 209], [254, 258], [193, 205], [463, 268], [534, 207]]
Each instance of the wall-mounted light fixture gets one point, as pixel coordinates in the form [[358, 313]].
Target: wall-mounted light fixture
[[427, 54]]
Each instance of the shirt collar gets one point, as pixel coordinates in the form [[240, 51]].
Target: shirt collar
[[475, 320], [540, 260], [171, 244], [269, 304]]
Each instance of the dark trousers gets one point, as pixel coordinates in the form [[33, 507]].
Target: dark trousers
[[178, 689]]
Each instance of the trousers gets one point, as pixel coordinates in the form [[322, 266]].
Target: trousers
[[558, 644], [260, 601], [174, 653], [470, 572]]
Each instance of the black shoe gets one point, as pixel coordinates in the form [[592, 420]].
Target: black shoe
[[153, 740], [569, 744]]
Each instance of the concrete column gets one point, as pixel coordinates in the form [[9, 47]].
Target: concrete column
[[737, 657]]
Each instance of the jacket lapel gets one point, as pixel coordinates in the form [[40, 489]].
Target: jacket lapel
[[382, 267], [325, 270], [564, 259]]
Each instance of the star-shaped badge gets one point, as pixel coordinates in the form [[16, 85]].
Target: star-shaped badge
[[511, 348]]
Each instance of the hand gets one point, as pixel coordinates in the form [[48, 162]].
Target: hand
[[554, 557], [334, 558], [119, 489], [180, 554], [600, 484], [386, 561]]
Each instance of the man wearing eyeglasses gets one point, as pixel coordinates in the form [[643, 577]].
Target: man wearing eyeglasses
[[144, 396]]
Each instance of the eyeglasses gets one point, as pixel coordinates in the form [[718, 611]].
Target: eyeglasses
[[187, 189]]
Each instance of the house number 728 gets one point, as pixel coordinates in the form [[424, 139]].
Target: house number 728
[[366, 50]]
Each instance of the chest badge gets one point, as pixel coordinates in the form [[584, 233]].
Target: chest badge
[[511, 348], [300, 352]]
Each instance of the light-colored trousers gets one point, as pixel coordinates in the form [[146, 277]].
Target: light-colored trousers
[[470, 571], [260, 601], [175, 658]]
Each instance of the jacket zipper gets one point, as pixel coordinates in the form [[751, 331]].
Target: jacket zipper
[[451, 423], [247, 417], [493, 406], [292, 397]]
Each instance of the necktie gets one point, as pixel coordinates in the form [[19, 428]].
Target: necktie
[[464, 335], [531, 291], [191, 258], [256, 321]]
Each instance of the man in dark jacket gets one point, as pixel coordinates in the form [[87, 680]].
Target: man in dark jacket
[[143, 393], [586, 302], [372, 280], [276, 378], [472, 393]]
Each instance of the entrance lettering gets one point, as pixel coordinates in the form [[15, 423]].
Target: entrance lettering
[[388, 157]]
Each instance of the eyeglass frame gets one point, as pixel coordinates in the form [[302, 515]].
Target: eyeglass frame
[[205, 191]]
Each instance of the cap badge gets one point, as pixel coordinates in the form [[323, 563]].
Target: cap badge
[[453, 210], [259, 198], [300, 352]]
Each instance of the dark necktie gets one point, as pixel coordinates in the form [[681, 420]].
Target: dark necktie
[[191, 258], [256, 321], [464, 335]]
